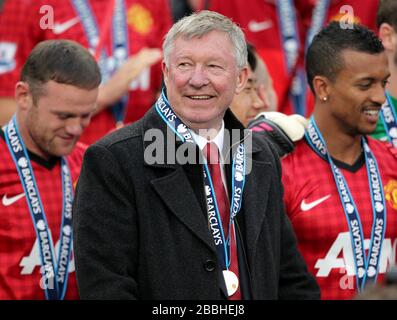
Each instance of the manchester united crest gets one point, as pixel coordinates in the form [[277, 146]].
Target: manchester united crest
[[391, 193], [140, 19]]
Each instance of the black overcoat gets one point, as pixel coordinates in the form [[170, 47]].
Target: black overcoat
[[141, 232]]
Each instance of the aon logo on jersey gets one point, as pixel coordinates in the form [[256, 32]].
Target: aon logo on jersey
[[29, 263], [340, 256]]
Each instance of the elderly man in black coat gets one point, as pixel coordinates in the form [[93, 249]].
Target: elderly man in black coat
[[186, 204]]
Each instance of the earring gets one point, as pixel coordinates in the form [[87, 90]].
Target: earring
[[325, 99]]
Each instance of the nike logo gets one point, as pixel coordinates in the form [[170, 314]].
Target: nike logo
[[62, 27], [255, 26], [307, 206], [9, 201]]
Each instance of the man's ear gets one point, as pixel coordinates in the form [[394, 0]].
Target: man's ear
[[388, 36], [165, 70], [241, 80], [23, 95], [321, 86]]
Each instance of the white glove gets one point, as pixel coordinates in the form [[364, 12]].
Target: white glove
[[293, 126]]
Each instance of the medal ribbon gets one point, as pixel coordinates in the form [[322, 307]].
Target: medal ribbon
[[183, 132], [367, 267], [107, 65], [292, 45], [56, 275], [389, 119]]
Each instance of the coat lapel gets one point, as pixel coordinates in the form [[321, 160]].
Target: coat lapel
[[254, 201], [255, 205], [177, 193], [174, 187]]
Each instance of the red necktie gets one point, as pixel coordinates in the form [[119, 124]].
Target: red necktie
[[212, 154]]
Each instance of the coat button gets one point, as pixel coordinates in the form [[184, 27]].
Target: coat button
[[210, 265]]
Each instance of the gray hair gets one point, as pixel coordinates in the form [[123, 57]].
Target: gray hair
[[199, 24]]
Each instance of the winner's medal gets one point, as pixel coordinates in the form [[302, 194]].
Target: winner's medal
[[231, 281]]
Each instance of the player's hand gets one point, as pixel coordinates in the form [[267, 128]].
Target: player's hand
[[293, 126], [134, 65], [118, 85], [282, 130]]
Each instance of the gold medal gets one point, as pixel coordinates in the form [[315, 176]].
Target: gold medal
[[231, 281]]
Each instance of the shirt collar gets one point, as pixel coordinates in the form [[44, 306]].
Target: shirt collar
[[218, 140]]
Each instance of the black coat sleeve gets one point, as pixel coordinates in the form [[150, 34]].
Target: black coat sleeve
[[104, 229], [295, 281]]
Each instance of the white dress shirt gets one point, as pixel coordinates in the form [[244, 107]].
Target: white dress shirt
[[218, 140]]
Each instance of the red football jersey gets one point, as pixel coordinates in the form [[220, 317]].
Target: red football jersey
[[363, 11], [19, 249], [259, 21], [24, 23], [11, 30], [314, 207]]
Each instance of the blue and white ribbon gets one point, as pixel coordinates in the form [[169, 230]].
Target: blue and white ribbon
[[55, 274], [389, 119], [107, 64], [367, 266], [222, 245]]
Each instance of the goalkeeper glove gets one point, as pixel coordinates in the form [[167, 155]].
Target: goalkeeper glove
[[282, 130]]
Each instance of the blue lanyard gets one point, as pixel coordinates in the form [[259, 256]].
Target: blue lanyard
[[291, 45], [183, 132], [389, 119], [318, 19], [56, 275], [107, 65], [367, 266]]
